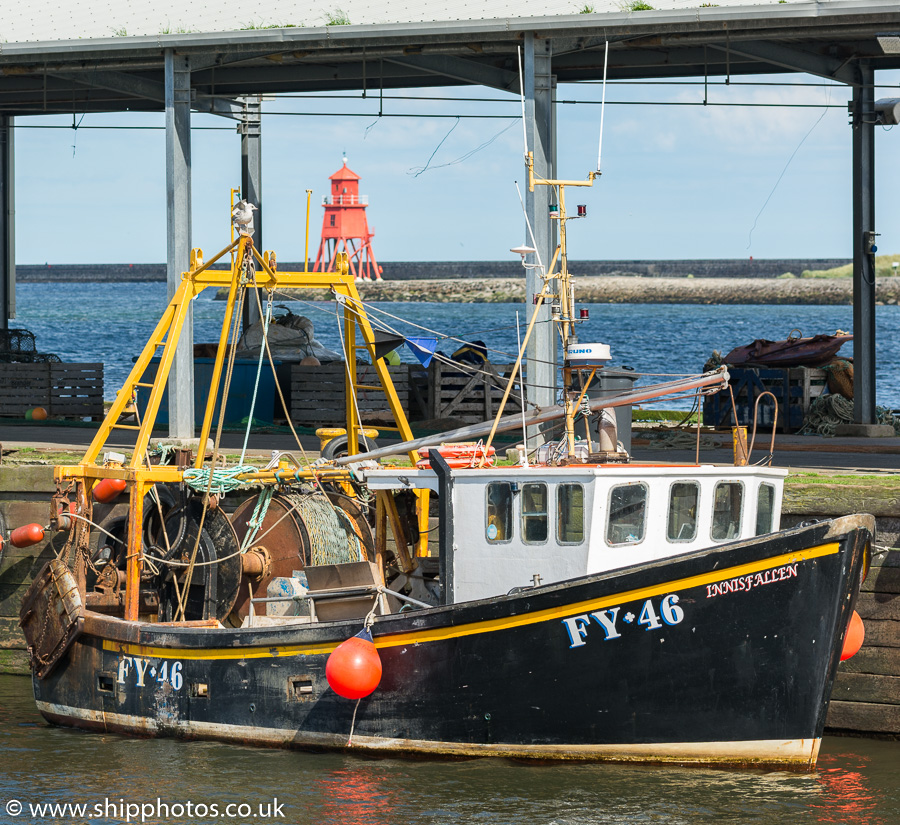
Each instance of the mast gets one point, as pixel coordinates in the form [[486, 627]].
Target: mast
[[563, 300]]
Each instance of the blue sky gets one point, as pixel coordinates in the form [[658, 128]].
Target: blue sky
[[681, 181]]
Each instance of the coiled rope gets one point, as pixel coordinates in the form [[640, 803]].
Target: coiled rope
[[828, 411]]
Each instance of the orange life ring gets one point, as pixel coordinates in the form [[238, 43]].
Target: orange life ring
[[459, 456]]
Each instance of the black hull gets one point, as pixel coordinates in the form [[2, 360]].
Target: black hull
[[736, 669]]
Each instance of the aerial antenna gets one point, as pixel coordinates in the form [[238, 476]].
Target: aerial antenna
[[602, 106], [522, 98], [537, 253]]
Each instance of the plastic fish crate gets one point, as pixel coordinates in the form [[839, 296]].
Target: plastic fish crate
[[795, 388]]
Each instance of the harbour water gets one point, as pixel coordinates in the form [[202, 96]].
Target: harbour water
[[156, 781], [111, 322], [855, 784]]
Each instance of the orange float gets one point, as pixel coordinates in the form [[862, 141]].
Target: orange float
[[36, 414], [854, 637], [107, 489], [26, 535], [459, 456], [354, 667]]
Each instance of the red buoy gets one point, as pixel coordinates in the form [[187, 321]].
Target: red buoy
[[854, 637], [26, 535], [354, 667], [107, 489]]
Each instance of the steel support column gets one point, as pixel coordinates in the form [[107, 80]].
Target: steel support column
[[178, 211], [863, 236], [7, 223], [541, 352], [249, 129]]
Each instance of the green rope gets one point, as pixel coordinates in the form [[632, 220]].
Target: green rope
[[258, 517], [224, 479]]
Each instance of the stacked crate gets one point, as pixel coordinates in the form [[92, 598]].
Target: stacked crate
[[795, 388], [64, 390], [319, 398]]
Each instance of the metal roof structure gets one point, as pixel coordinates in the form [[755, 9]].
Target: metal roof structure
[[59, 58], [119, 73]]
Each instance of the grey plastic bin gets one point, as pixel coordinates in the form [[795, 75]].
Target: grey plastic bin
[[612, 381]]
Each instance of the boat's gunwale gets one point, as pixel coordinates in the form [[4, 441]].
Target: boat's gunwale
[[560, 597]]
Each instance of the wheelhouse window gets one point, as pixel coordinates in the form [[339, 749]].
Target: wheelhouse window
[[498, 512], [627, 514], [534, 513], [570, 514], [728, 503], [682, 521], [765, 508]]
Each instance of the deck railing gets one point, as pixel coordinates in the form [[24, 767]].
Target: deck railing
[[345, 200]]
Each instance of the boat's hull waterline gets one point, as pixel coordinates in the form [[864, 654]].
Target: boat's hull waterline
[[723, 657]]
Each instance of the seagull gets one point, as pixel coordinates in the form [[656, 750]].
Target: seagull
[[242, 217]]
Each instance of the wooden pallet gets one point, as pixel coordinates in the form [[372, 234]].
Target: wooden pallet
[[318, 396], [76, 390], [64, 390], [461, 392], [23, 386]]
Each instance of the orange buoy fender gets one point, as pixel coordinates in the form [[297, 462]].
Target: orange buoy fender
[[36, 414], [107, 489], [854, 637], [354, 667], [26, 535]]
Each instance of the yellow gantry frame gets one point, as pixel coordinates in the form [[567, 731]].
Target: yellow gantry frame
[[139, 475]]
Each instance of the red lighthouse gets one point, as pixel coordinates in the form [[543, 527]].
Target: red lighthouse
[[345, 228]]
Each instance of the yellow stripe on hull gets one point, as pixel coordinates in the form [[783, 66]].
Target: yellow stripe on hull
[[487, 626]]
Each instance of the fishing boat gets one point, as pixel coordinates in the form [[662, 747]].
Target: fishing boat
[[574, 606]]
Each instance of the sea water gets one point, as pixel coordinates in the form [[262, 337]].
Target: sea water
[[110, 322], [855, 784]]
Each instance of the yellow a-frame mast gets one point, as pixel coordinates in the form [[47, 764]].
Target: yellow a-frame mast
[[138, 474]]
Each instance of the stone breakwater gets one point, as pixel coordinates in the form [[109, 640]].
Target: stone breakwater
[[439, 270], [632, 290]]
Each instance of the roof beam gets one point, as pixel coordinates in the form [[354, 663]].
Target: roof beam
[[146, 89], [219, 106], [127, 84], [458, 68], [794, 59]]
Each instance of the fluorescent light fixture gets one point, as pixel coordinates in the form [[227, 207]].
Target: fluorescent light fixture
[[888, 110], [889, 42]]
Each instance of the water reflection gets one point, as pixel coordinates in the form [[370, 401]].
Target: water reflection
[[356, 795], [856, 783], [846, 796]]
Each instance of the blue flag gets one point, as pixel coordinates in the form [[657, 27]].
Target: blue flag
[[423, 348]]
